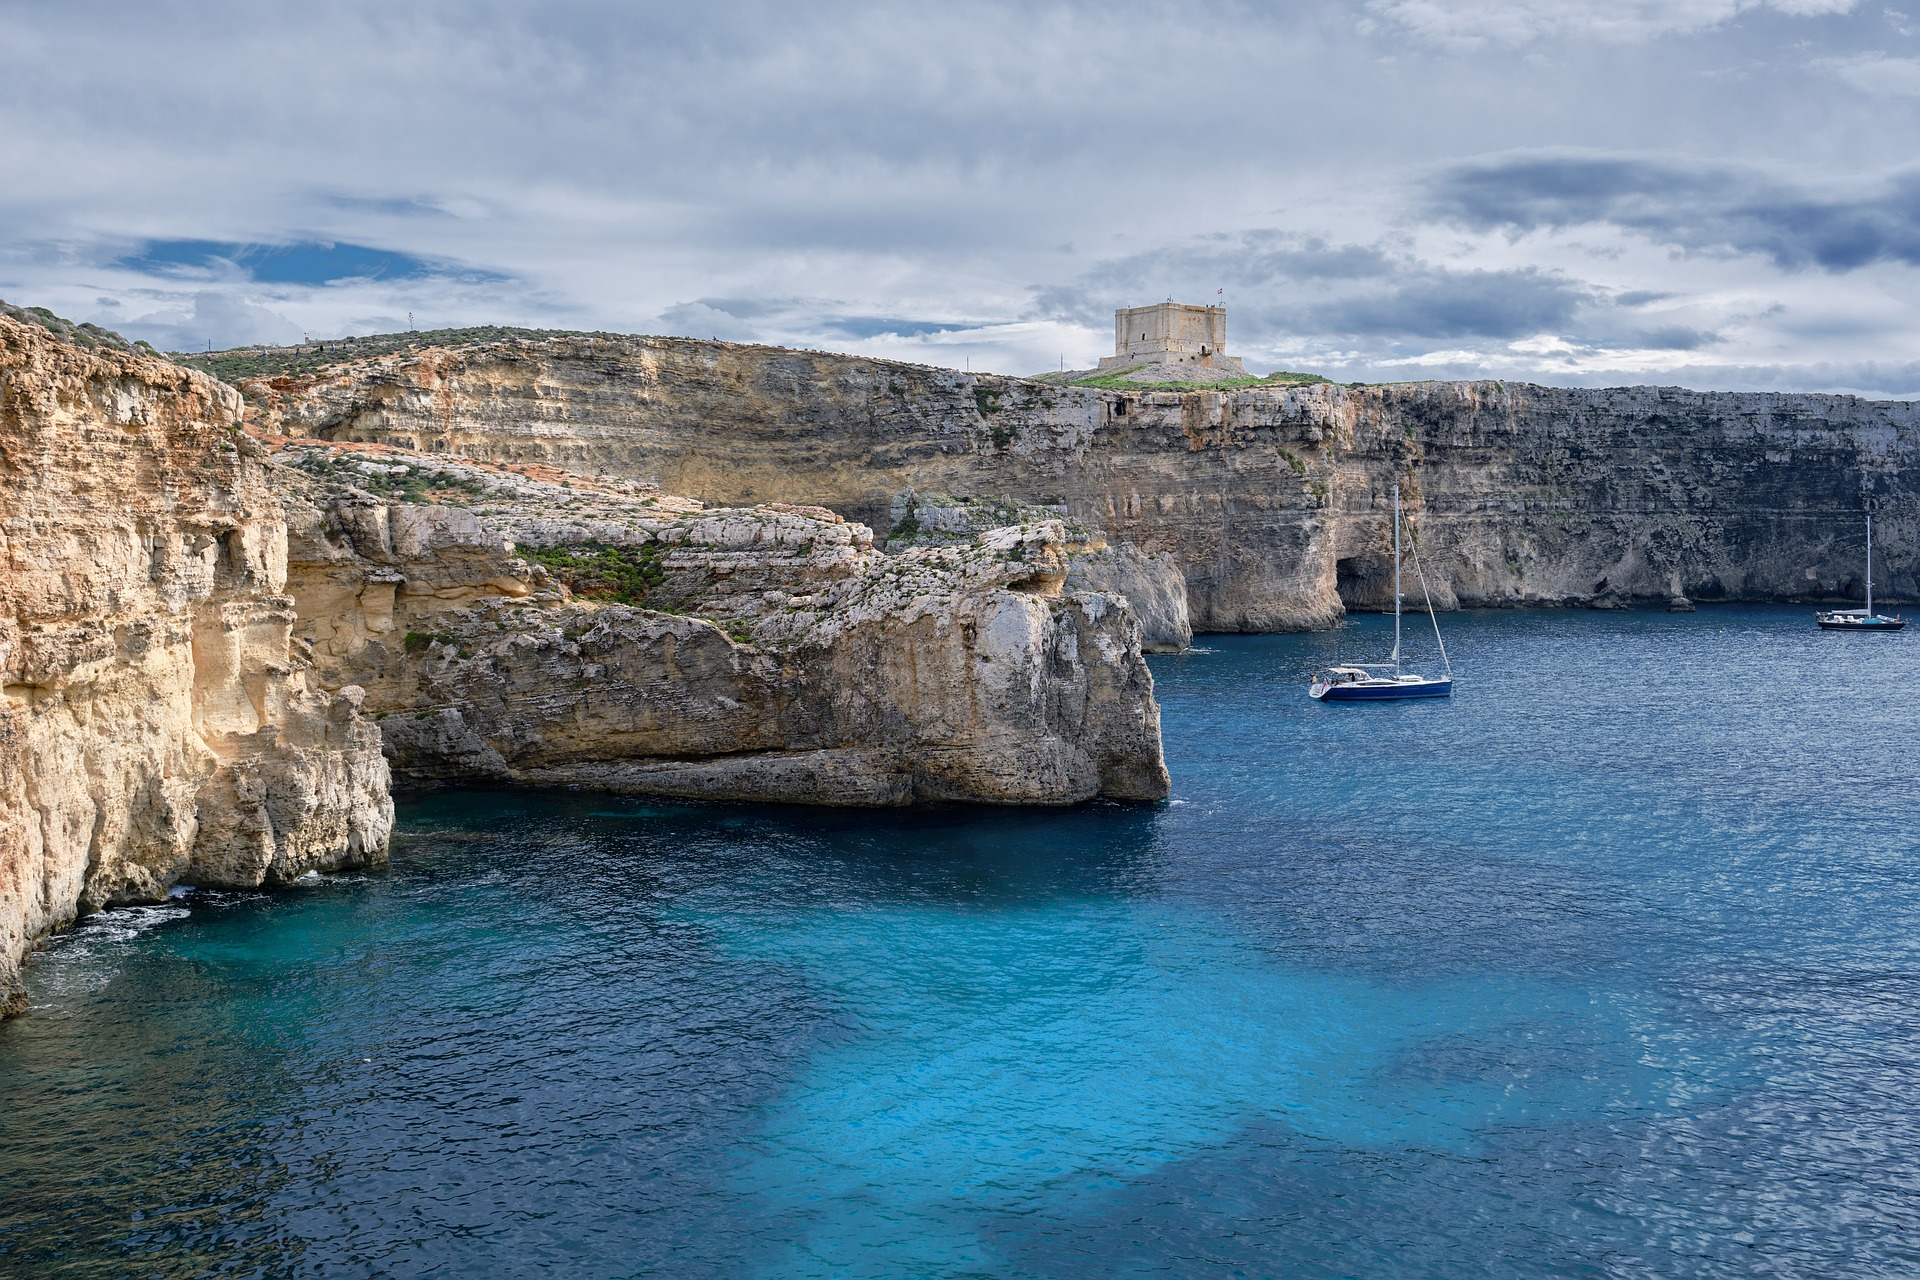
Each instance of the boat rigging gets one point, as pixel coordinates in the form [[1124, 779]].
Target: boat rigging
[[1861, 619], [1368, 681]]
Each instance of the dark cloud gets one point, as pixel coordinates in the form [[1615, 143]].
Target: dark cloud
[[1432, 303], [1677, 337], [1310, 286], [1694, 207]]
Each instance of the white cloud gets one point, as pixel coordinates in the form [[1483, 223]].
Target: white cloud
[[698, 320], [1877, 74], [947, 183], [216, 320], [1470, 23]]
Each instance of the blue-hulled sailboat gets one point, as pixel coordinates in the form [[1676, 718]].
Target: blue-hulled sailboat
[[1861, 619], [1369, 681]]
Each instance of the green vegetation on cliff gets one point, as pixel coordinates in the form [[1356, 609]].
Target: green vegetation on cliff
[[90, 336], [1120, 380], [240, 363], [596, 571]]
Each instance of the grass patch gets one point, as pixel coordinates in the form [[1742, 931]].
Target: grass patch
[[908, 525], [1118, 381], [595, 571], [409, 484], [418, 642]]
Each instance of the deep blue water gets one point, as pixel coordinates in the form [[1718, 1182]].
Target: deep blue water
[[1608, 967]]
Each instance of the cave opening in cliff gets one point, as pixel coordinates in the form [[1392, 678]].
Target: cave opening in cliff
[[1364, 582]]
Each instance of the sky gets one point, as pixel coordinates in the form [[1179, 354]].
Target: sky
[[1721, 194]]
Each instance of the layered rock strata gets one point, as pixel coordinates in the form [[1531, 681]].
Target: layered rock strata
[[766, 653], [157, 723], [1272, 502], [1151, 584], [210, 653]]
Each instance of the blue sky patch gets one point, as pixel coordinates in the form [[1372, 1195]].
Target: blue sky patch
[[308, 262], [873, 326]]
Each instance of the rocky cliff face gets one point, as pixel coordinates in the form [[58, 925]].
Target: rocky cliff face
[[210, 652], [1272, 502], [766, 653], [157, 723]]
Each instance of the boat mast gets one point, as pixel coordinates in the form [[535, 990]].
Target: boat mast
[[1396, 580], [1869, 564]]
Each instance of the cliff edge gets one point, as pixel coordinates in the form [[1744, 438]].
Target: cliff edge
[[218, 652], [1271, 502], [547, 628], [157, 724]]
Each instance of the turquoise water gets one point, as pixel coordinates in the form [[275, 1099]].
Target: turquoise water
[[1608, 967]]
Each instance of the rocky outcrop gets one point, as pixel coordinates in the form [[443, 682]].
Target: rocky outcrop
[[211, 653], [563, 631], [1272, 501], [157, 723], [1151, 584]]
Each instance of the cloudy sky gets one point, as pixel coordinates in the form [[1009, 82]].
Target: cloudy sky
[[1720, 193]]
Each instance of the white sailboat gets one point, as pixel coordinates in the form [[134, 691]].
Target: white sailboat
[[1861, 619], [1368, 681]]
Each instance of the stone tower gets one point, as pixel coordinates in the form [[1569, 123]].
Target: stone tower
[[1172, 333]]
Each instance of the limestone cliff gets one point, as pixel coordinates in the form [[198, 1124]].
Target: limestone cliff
[[1152, 585], [157, 724], [210, 652], [561, 630], [1270, 501]]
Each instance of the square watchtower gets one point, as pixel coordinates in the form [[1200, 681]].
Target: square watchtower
[[1170, 333]]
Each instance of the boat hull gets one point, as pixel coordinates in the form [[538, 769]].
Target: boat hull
[[1385, 692], [1861, 624]]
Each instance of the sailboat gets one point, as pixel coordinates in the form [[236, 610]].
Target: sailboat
[[1368, 681], [1861, 619]]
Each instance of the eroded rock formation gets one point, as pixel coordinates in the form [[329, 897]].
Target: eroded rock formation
[[157, 724], [1152, 584], [766, 653], [1271, 501], [210, 653]]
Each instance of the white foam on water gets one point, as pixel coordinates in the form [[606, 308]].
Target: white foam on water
[[120, 924]]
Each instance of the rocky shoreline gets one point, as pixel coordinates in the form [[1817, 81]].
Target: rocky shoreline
[[221, 649], [233, 619]]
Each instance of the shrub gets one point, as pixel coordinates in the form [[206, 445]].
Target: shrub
[[595, 571]]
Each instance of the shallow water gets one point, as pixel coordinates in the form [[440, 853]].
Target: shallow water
[[1608, 967]]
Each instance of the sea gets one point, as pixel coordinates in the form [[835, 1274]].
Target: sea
[[1609, 966]]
